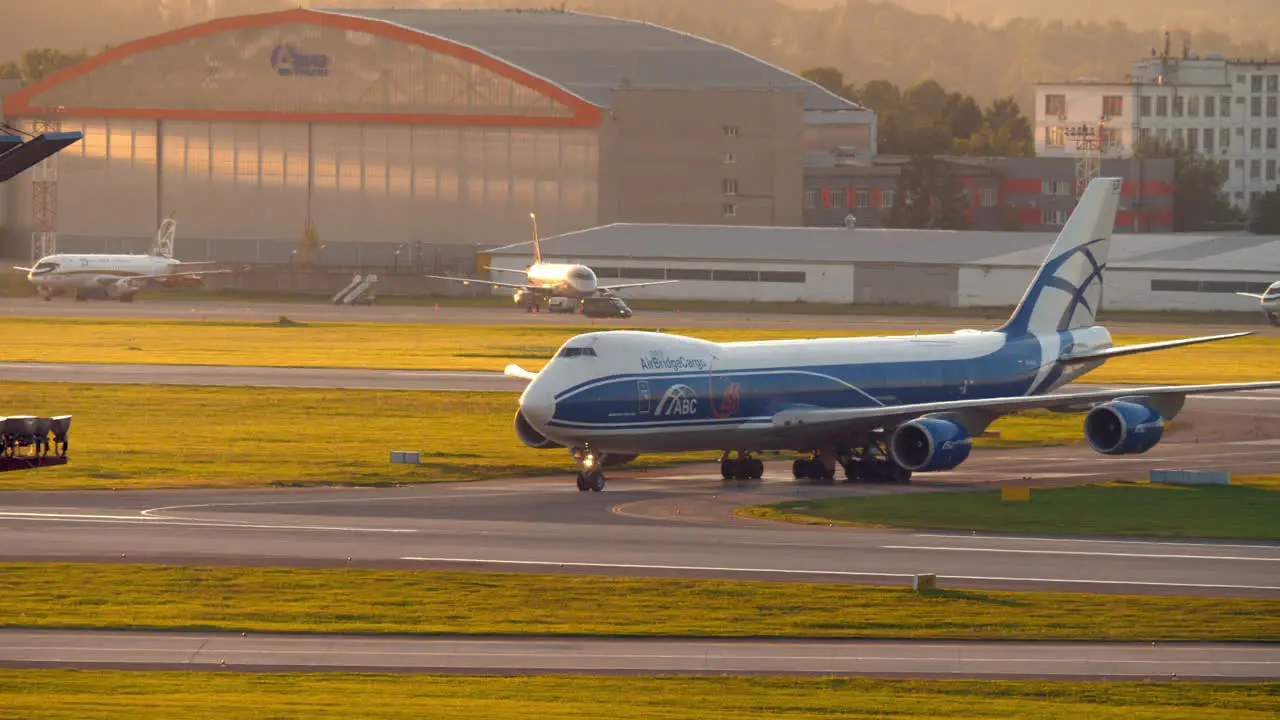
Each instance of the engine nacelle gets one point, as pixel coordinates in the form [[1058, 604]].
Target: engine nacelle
[[1123, 428], [930, 445], [119, 289], [530, 436]]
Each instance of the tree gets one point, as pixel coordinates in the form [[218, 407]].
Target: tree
[[963, 115], [1004, 114], [1266, 215], [989, 142], [829, 78], [9, 70], [1198, 200], [37, 63], [880, 95], [930, 194]]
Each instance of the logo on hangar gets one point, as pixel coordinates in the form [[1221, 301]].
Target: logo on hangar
[[678, 401], [288, 62]]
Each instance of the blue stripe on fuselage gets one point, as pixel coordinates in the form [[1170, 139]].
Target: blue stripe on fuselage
[[716, 397]]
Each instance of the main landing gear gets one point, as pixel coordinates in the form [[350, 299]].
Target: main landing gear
[[742, 467], [868, 463]]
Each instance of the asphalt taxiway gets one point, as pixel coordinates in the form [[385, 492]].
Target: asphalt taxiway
[[489, 655]]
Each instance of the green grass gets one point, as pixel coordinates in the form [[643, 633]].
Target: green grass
[[110, 694], [1141, 509], [492, 347], [269, 599], [106, 694], [132, 436]]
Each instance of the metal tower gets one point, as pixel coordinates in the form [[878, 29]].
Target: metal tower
[[1088, 139], [44, 196]]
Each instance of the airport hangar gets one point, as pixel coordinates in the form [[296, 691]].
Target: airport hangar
[[388, 128], [890, 266]]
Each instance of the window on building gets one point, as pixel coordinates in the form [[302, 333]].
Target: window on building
[[1178, 138], [1224, 167], [1053, 217], [1208, 140], [1255, 197], [784, 276], [688, 274], [1255, 83], [730, 210], [1193, 138], [1225, 106], [988, 197], [886, 198], [1271, 170], [1271, 106], [1144, 106], [731, 131], [864, 198], [1255, 169], [1162, 134], [1240, 166], [1255, 106], [1055, 136], [1224, 139], [1162, 106], [1113, 105], [1178, 103], [1255, 139], [1144, 134], [730, 186], [1210, 103], [838, 199], [1193, 106], [811, 199], [1240, 79], [730, 159], [1273, 83], [1110, 137], [1055, 105], [1271, 138]]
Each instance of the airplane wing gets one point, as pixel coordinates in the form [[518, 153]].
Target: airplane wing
[[1145, 347], [1255, 296], [836, 418], [26, 270], [635, 285], [496, 269], [468, 281], [161, 276]]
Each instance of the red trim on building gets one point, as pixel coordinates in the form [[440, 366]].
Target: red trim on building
[[826, 198], [1029, 216], [875, 197], [1021, 186], [1130, 189], [18, 104]]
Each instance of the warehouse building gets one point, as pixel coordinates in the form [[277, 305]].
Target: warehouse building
[[915, 267], [388, 128]]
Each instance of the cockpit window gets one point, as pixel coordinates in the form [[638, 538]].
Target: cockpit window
[[580, 274], [46, 266], [576, 352]]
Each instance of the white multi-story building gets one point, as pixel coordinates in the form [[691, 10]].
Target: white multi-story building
[[1226, 109]]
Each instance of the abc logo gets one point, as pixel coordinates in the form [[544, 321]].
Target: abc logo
[[679, 400]]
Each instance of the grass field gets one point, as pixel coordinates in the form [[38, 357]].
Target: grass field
[[490, 347], [132, 436], [106, 694], [154, 597], [1248, 512]]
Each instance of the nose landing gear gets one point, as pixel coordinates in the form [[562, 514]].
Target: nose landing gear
[[591, 478]]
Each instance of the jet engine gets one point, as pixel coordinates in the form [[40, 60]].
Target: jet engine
[[930, 445], [530, 436], [517, 297], [1123, 428], [121, 290]]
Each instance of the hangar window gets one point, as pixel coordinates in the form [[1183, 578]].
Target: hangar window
[[730, 186], [988, 197], [643, 273], [730, 158], [811, 199], [886, 198], [736, 275], [731, 131], [688, 274], [1208, 286], [783, 276], [838, 198], [606, 272], [730, 210], [863, 198]]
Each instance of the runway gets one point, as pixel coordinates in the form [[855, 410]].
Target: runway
[[486, 655]]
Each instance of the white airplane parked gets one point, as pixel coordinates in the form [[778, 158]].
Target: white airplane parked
[[116, 277], [1270, 302], [548, 280], [880, 407]]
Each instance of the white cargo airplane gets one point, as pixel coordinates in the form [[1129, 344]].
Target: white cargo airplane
[[116, 277], [548, 280], [1270, 302], [882, 408]]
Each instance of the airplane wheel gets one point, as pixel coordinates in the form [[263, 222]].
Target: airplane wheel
[[582, 482], [800, 469], [899, 474], [757, 469], [595, 481]]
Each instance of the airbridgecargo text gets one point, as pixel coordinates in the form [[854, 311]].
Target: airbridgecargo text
[[658, 361]]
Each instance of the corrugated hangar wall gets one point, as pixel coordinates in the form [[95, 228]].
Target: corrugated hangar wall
[[906, 284]]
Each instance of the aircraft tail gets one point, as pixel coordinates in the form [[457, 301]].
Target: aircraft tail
[[1067, 291], [165, 237], [537, 242]]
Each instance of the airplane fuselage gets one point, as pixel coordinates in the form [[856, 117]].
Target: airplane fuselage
[[94, 274], [563, 280], [636, 392]]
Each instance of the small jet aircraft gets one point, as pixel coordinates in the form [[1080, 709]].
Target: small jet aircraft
[[881, 408], [1270, 302], [550, 280], [114, 277]]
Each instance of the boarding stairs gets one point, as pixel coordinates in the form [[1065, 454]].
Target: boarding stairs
[[360, 288]]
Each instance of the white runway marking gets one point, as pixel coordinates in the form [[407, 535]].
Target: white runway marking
[[838, 573], [1094, 540], [1157, 556], [149, 512], [136, 520]]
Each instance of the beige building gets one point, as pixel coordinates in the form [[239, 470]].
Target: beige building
[[388, 130]]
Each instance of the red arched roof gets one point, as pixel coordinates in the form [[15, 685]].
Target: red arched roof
[[18, 104]]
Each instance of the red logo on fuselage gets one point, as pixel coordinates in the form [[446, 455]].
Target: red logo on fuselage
[[730, 401]]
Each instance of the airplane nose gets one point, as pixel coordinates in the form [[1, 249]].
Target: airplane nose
[[537, 404]]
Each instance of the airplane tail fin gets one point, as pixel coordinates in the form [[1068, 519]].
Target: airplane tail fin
[[537, 242], [1067, 291], [165, 236]]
